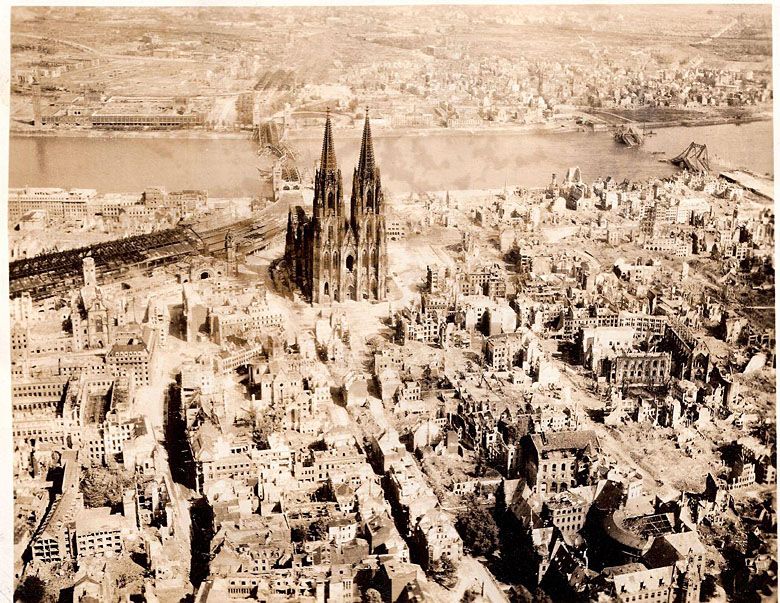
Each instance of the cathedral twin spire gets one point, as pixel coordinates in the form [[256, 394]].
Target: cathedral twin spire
[[328, 156], [329, 170], [340, 253]]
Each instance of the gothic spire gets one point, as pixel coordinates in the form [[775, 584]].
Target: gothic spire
[[328, 159], [366, 160]]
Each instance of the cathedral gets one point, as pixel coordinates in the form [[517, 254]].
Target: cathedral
[[335, 254]]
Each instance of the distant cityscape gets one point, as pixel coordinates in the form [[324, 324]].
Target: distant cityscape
[[412, 76]]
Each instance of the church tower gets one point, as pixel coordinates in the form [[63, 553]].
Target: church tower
[[368, 223], [327, 222], [88, 270], [230, 253]]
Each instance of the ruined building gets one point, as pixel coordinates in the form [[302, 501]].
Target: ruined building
[[93, 315], [335, 254]]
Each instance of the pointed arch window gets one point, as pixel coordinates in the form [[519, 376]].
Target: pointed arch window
[[370, 200]]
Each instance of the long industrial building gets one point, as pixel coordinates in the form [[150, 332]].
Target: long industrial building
[[57, 273]]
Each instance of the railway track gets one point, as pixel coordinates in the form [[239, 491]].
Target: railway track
[[57, 273], [250, 235]]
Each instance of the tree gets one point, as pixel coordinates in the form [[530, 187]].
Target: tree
[[708, 587], [477, 528], [263, 426], [541, 597], [318, 530], [444, 571], [322, 493], [260, 439], [481, 466], [715, 254], [764, 432], [469, 596], [32, 590], [104, 487], [372, 595], [520, 594], [298, 534]]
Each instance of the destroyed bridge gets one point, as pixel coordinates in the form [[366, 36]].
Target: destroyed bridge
[[694, 159]]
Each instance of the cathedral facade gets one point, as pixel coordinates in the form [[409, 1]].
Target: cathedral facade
[[339, 253]]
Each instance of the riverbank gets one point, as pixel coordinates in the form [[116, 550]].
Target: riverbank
[[131, 134], [510, 130], [666, 117], [378, 131], [713, 121], [293, 134]]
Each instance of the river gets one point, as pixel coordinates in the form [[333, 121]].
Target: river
[[457, 160]]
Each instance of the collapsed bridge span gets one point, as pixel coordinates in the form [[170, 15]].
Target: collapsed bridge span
[[694, 159]]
